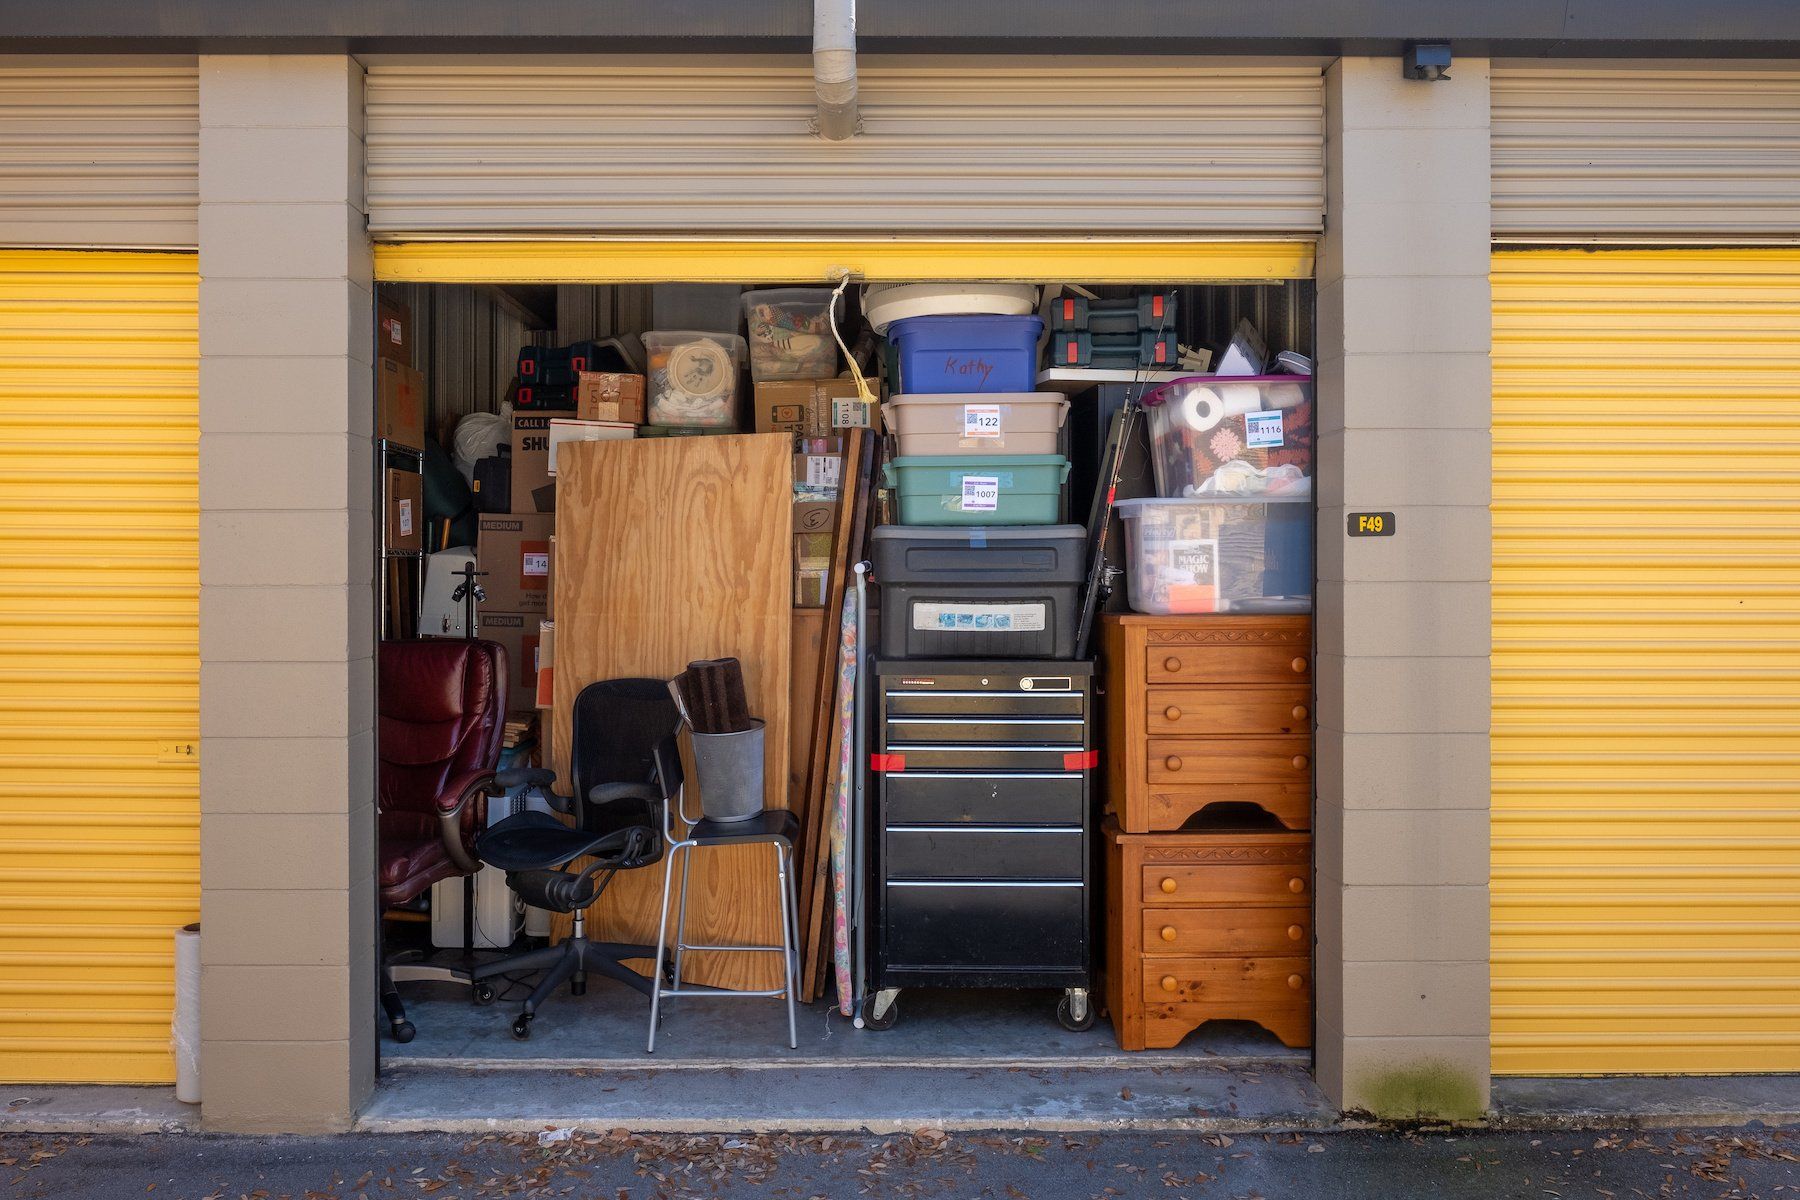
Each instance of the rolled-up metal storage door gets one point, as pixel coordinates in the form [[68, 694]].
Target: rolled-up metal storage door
[[1646, 661]]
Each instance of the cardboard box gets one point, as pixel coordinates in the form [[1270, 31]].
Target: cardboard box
[[393, 331], [405, 510], [533, 491], [514, 550], [546, 672], [399, 404], [601, 396], [518, 632], [550, 584], [815, 516], [563, 431], [810, 407]]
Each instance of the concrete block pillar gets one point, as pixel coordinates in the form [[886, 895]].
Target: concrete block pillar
[[1404, 426], [286, 595]]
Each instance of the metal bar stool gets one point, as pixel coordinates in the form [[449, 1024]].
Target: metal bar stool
[[777, 827]]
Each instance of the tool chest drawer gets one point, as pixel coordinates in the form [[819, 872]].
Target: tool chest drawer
[[1211, 712], [984, 852], [984, 730], [985, 925], [991, 798]]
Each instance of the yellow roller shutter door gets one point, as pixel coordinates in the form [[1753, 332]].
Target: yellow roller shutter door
[[1646, 670], [99, 679]]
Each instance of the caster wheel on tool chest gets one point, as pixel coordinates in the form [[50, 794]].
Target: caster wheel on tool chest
[[1065, 1013], [887, 1018]]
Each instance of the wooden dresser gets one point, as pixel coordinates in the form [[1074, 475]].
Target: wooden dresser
[[1208, 846]]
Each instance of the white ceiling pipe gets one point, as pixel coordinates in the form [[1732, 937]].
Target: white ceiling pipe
[[834, 69]]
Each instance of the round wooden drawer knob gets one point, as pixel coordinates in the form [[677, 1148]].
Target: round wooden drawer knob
[[1172, 713], [1295, 933], [1171, 664], [1168, 886], [1168, 982], [1294, 981], [1168, 933], [1296, 886], [1299, 762], [1172, 762], [1299, 712], [1299, 665]]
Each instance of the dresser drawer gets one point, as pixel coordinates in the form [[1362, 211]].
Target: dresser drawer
[[1261, 883], [1213, 712], [1228, 664], [1261, 932], [1171, 806], [1249, 985], [1229, 760]]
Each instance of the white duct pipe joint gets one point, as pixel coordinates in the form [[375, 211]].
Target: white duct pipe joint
[[834, 69]]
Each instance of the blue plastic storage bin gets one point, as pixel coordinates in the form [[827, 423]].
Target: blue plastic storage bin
[[1016, 489], [940, 355]]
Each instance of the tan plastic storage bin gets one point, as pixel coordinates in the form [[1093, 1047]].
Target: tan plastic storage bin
[[977, 423]]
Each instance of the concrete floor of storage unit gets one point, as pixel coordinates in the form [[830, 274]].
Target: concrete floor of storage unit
[[941, 1028]]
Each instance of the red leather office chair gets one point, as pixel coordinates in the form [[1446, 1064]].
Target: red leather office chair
[[441, 714]]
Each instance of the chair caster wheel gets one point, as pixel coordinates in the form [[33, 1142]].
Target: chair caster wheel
[[405, 1031], [668, 972], [578, 987], [483, 995], [521, 1027], [1065, 1013]]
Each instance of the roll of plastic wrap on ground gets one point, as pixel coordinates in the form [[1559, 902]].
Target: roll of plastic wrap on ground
[[186, 1030]]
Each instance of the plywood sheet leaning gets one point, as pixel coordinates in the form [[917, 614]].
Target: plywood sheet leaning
[[670, 550]]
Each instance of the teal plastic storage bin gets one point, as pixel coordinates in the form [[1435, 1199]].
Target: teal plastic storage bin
[[956, 489]]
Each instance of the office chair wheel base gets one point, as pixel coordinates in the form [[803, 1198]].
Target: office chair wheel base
[[1065, 1013], [483, 995], [521, 1028], [885, 1021], [405, 1031]]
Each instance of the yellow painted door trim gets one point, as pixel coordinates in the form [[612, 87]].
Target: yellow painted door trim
[[1646, 661], [1088, 260], [99, 658]]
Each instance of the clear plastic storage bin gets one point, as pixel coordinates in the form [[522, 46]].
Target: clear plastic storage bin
[[694, 378], [1219, 554], [1213, 435], [790, 334]]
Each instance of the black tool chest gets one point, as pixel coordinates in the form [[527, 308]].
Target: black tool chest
[[983, 837]]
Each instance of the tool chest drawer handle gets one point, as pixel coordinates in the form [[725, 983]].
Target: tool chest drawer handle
[[1168, 933], [1168, 983], [1299, 762], [1171, 664], [1299, 712], [1172, 713], [1168, 886], [1299, 665], [1296, 885], [1173, 762], [1294, 981]]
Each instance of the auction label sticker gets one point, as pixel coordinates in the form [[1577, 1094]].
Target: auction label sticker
[[980, 493], [981, 420]]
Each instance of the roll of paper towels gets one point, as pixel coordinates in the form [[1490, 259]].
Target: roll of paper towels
[[1204, 407], [185, 1033]]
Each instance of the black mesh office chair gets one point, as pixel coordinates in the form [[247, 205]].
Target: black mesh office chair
[[618, 807]]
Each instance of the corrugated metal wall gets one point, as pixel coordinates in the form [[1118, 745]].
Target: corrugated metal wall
[[97, 153], [1646, 661], [1595, 149], [99, 658], [721, 145]]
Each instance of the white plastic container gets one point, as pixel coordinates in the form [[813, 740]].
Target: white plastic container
[[1219, 554], [790, 334], [1001, 423], [885, 303], [694, 378]]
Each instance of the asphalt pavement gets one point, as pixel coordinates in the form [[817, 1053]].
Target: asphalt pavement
[[1623, 1165]]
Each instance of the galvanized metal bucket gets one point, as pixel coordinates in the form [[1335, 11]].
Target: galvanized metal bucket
[[730, 771]]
